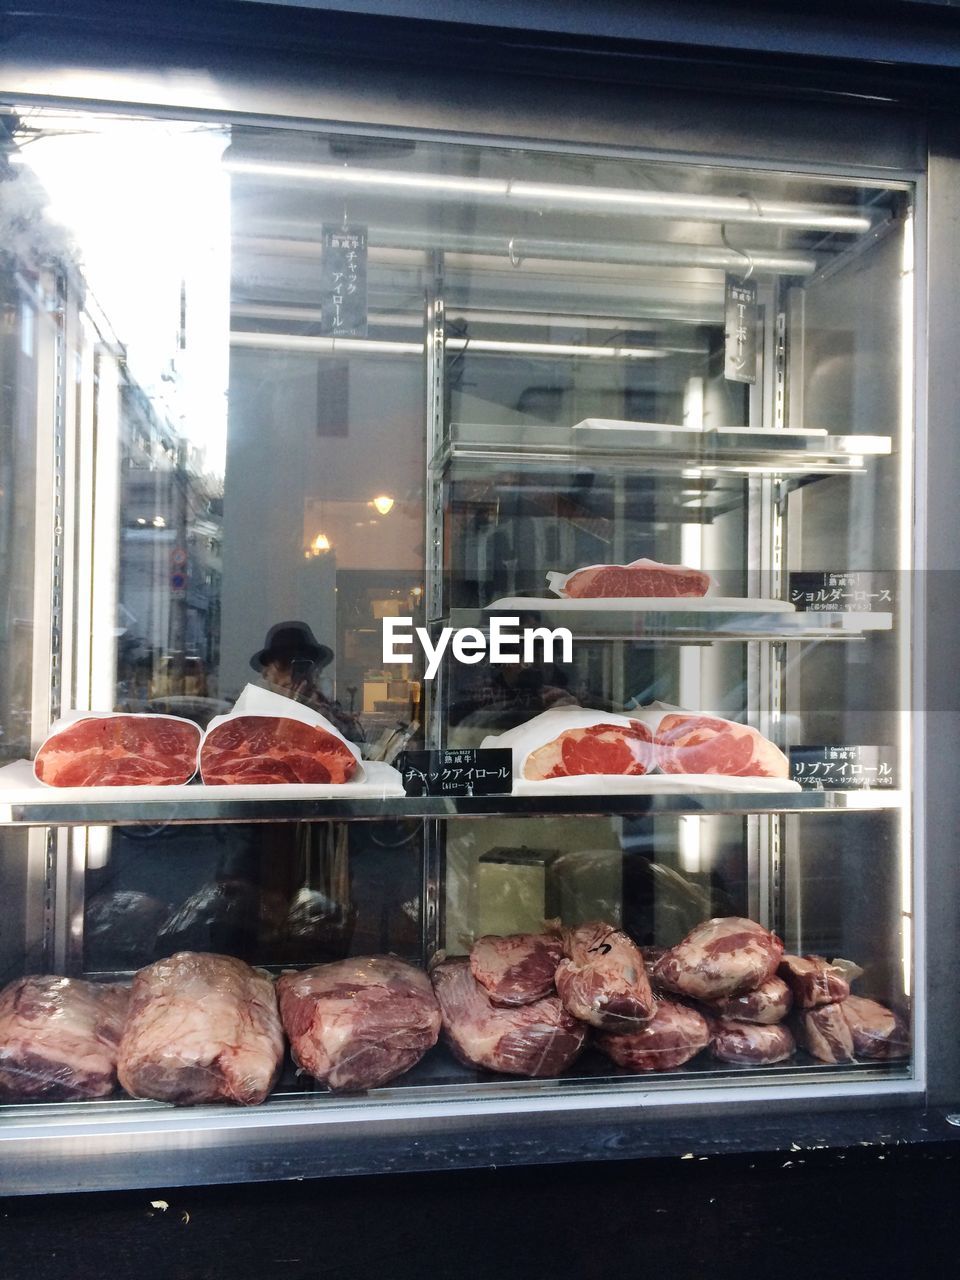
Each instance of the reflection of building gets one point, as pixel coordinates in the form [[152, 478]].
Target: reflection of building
[[170, 558]]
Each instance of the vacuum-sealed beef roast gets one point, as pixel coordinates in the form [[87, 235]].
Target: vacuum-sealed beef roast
[[201, 1028], [877, 1031], [767, 1004], [538, 1039], [722, 957], [118, 750], [358, 1023], [59, 1038], [814, 980], [602, 979], [751, 1043], [825, 1033], [675, 1034], [518, 968]]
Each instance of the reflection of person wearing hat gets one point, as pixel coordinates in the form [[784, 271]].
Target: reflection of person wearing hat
[[290, 661]]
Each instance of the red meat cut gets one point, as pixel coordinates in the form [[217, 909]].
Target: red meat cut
[[769, 1003], [518, 968], [707, 744], [536, 1040], [825, 1033], [722, 957], [359, 1023], [674, 1035], [201, 1028], [876, 1030], [813, 980], [603, 980], [599, 748], [272, 749], [120, 751], [750, 1043], [638, 579], [59, 1038]]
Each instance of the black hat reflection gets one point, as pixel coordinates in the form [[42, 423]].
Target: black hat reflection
[[288, 643]]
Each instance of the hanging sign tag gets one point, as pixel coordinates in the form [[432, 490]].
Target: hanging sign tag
[[343, 286], [474, 771], [741, 318]]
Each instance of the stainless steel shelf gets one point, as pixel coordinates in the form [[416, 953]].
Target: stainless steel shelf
[[44, 813], [652, 447], [685, 627]]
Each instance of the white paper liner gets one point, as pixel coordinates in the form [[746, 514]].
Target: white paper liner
[[605, 784], [70, 718], [646, 604], [254, 701], [557, 581], [18, 785], [618, 424]]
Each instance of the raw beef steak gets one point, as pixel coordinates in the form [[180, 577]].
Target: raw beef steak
[[518, 968], [877, 1031], [750, 1043], [813, 980], [674, 1035], [539, 1039], [602, 980], [257, 749], [767, 1004], [635, 580], [359, 1023], [706, 744], [599, 748], [201, 1028], [120, 751], [723, 957], [825, 1033], [59, 1038]]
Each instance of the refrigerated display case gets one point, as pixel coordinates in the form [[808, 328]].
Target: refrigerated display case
[[274, 386]]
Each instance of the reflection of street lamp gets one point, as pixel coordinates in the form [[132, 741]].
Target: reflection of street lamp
[[318, 546], [383, 503]]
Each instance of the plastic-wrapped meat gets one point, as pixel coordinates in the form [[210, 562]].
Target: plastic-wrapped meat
[[201, 1028], [119, 751], [120, 929], [722, 957], [602, 980], [651, 956], [825, 1033], [750, 1043], [358, 1023], [767, 1004], [877, 1031], [272, 749], [59, 1038], [813, 980], [536, 1040], [230, 916], [594, 749], [675, 1034], [518, 968], [687, 743], [640, 578]]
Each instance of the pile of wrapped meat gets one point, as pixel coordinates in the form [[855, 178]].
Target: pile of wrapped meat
[[197, 1027]]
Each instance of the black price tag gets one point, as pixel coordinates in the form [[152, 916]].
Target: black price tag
[[343, 286], [847, 768], [473, 772], [741, 317], [862, 591]]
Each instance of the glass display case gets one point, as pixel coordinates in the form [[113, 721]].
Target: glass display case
[[549, 509]]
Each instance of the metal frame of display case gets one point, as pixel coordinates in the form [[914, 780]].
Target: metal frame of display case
[[64, 1149]]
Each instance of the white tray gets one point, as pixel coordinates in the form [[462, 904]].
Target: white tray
[[18, 785], [643, 604], [653, 784]]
